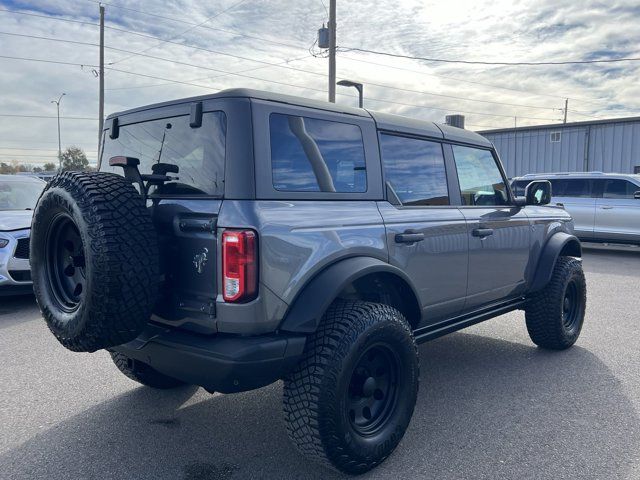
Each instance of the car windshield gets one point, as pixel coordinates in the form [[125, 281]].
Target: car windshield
[[18, 195]]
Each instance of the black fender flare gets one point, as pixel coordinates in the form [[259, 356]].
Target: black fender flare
[[306, 311], [558, 243]]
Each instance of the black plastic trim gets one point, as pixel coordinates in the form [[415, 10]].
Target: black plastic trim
[[458, 323], [549, 256], [221, 363], [307, 310]]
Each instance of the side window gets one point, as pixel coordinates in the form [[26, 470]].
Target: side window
[[619, 189], [557, 187], [312, 155], [481, 182], [574, 187], [415, 168]]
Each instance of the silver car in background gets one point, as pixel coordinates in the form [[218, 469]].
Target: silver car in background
[[18, 197], [605, 206]]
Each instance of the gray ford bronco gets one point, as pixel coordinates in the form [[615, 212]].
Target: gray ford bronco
[[241, 238]]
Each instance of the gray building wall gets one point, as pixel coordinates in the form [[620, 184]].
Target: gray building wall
[[606, 146]]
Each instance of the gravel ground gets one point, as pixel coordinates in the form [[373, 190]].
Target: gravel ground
[[491, 405]]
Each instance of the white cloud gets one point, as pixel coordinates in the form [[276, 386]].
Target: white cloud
[[476, 30]]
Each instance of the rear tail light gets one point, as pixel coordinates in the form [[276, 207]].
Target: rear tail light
[[239, 266]]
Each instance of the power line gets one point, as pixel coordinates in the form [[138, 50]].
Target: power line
[[481, 62], [274, 65], [55, 150], [28, 59], [181, 33], [204, 78], [474, 82], [186, 22], [49, 17], [279, 83], [283, 44], [45, 116], [450, 110]]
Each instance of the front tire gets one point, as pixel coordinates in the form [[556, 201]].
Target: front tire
[[143, 373], [350, 399], [555, 315]]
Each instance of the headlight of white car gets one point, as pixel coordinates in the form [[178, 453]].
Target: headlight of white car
[[3, 242]]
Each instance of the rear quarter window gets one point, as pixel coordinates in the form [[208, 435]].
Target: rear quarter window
[[313, 155]]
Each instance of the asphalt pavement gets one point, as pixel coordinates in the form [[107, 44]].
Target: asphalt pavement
[[491, 405]]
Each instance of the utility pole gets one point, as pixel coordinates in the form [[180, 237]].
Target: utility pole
[[566, 107], [101, 78], [57, 102], [332, 51]]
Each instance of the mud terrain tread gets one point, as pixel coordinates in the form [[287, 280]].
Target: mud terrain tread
[[543, 311], [121, 250], [341, 326]]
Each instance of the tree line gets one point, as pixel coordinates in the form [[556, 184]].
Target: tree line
[[73, 158]]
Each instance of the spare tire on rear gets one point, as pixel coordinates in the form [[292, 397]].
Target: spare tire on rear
[[94, 260]]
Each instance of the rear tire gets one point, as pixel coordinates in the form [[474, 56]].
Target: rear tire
[[350, 399], [94, 260], [555, 315], [143, 373]]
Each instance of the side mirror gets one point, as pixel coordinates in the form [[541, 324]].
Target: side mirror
[[538, 193], [637, 195]]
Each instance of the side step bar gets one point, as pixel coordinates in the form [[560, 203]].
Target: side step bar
[[431, 332]]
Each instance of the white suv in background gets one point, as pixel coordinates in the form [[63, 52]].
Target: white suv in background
[[605, 206], [18, 197]]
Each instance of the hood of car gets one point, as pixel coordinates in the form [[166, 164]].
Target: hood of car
[[15, 219]]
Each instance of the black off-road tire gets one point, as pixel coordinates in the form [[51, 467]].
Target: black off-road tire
[[142, 373], [555, 315], [94, 229], [324, 394]]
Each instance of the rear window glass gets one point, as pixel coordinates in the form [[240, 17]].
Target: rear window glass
[[199, 153], [312, 155]]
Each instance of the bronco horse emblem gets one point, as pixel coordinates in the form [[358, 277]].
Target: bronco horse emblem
[[200, 260]]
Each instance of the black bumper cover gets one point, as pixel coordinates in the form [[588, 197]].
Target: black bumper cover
[[218, 363]]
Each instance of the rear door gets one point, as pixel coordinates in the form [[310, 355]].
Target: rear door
[[498, 232], [184, 209], [577, 196], [618, 212], [426, 234]]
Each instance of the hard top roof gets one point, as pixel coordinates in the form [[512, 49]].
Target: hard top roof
[[385, 121]]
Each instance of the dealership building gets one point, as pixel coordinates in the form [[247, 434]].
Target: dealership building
[[611, 145]]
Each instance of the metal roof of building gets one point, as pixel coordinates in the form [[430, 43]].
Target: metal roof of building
[[559, 126]]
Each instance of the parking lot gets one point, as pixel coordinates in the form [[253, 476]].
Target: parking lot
[[491, 405]]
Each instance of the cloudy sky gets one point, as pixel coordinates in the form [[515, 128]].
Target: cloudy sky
[[159, 50]]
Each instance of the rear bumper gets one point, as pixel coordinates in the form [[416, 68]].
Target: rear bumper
[[219, 363]]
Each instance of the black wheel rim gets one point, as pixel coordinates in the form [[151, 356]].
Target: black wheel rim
[[373, 390], [65, 260], [571, 306]]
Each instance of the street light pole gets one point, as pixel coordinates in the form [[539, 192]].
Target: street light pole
[[357, 86], [57, 102]]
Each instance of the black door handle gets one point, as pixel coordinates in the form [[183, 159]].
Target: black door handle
[[482, 232], [409, 237]]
